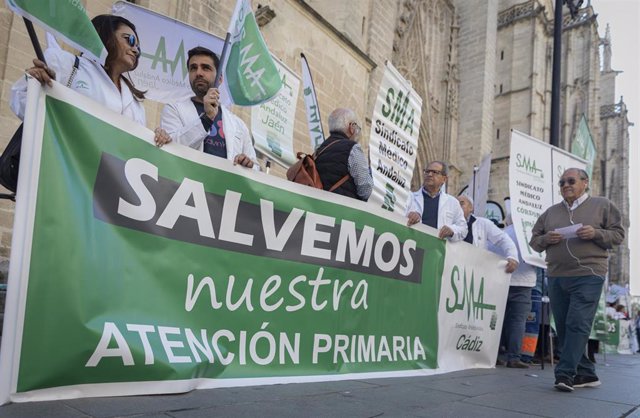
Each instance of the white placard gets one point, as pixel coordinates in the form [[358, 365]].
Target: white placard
[[164, 43], [272, 122], [393, 144], [534, 170]]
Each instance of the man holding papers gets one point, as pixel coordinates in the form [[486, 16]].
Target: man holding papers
[[576, 268]]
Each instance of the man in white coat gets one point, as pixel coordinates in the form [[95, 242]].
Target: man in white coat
[[483, 231], [433, 207], [201, 122]]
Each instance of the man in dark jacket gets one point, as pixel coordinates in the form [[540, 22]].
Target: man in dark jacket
[[340, 157]]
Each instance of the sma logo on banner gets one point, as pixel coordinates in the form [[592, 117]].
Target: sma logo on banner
[[465, 298], [528, 164]]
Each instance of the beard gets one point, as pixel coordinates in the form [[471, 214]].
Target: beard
[[200, 87]]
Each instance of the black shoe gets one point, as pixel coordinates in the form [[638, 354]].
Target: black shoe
[[563, 384], [517, 364], [586, 381], [500, 362]]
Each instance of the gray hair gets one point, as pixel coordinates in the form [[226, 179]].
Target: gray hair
[[445, 167], [340, 119], [469, 198], [582, 173]]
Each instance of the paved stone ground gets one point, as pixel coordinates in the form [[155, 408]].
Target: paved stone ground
[[481, 393]]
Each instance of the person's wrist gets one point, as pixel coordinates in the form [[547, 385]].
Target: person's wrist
[[211, 114]]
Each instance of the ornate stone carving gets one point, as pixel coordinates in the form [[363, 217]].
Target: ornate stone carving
[[517, 12], [425, 53]]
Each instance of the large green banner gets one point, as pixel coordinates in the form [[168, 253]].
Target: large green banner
[[143, 270]]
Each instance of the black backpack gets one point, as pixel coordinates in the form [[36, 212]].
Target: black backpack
[[10, 158], [10, 161]]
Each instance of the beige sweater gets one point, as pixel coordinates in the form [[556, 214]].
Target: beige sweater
[[598, 212]]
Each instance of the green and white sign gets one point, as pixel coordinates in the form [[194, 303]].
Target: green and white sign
[[272, 122], [393, 142], [251, 73], [583, 146], [67, 19], [164, 42], [535, 168], [139, 270]]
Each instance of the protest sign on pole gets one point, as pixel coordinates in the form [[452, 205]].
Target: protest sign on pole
[[393, 144], [478, 187], [314, 121], [272, 122], [252, 76], [67, 19], [534, 170], [164, 43], [247, 279], [582, 145]]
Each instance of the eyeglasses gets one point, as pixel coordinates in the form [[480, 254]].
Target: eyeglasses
[[434, 172], [571, 181], [131, 38], [356, 126]]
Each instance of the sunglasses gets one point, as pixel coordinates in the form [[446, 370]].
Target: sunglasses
[[131, 38], [434, 172], [571, 181]]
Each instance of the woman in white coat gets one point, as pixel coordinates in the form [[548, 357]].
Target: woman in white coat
[[106, 84]]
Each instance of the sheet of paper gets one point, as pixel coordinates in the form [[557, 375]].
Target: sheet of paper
[[569, 231]]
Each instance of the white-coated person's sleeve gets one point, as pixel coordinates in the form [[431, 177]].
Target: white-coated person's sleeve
[[247, 145], [459, 224], [58, 60], [501, 240], [415, 203], [183, 129]]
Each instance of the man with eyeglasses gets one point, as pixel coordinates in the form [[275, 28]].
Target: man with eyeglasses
[[340, 161], [433, 207], [202, 122], [576, 269]]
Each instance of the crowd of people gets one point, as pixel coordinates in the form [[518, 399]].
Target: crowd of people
[[576, 267]]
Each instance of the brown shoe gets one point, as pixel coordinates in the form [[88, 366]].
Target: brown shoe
[[500, 362], [517, 364]]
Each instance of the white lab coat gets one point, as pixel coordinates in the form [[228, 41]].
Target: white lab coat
[[91, 80], [486, 232], [182, 123], [525, 274], [449, 213]]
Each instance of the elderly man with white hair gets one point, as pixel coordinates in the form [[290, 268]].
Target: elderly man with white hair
[[340, 162], [483, 232]]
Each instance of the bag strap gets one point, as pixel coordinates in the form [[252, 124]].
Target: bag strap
[[317, 154], [74, 70], [344, 178], [340, 182]]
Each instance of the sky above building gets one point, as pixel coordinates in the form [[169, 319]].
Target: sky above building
[[623, 17]]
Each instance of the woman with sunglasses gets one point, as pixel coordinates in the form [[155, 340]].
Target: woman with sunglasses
[[108, 84]]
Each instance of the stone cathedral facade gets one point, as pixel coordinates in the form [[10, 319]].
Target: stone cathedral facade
[[482, 67]]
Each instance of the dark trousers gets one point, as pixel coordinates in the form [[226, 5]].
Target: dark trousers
[[574, 301]]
